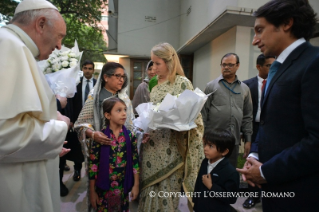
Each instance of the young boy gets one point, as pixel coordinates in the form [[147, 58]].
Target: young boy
[[217, 179]]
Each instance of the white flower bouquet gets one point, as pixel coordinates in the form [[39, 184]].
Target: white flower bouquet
[[62, 70], [174, 112]]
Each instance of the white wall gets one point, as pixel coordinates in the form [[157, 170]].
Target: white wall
[[137, 36], [243, 50], [203, 12], [314, 41], [251, 3], [315, 5], [207, 59]]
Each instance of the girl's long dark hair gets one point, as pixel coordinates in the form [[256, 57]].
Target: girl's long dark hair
[[108, 105]]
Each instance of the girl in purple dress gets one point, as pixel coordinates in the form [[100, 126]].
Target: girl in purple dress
[[113, 168]]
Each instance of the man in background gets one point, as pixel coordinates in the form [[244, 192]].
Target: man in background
[[229, 107]]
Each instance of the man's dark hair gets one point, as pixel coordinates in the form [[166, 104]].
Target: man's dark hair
[[278, 12], [261, 59], [108, 105], [109, 69], [223, 139], [86, 62], [229, 54]]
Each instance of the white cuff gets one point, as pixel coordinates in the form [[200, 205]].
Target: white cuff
[[254, 155]]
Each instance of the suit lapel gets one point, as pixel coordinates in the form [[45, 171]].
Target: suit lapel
[[219, 166], [283, 68]]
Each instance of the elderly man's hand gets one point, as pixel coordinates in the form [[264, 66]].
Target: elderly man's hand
[[60, 117], [64, 151]]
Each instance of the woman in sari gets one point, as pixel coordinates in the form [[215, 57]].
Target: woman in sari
[[171, 159], [111, 82]]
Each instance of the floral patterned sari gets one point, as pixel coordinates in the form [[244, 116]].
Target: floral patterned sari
[[171, 159]]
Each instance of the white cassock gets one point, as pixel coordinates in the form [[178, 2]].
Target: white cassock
[[30, 136]]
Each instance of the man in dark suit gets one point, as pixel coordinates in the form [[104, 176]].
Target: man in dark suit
[[73, 110], [288, 138], [256, 86]]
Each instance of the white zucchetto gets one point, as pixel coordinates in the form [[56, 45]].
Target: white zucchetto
[[33, 5]]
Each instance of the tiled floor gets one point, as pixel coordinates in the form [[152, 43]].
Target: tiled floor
[[75, 201]]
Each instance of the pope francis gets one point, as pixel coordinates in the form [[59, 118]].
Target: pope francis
[[31, 130]]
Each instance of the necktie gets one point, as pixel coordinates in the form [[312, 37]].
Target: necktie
[[87, 90], [273, 69], [263, 86]]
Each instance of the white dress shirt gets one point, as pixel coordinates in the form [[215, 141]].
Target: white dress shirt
[[260, 85], [211, 166], [83, 87]]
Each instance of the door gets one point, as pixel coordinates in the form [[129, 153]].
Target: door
[[138, 73]]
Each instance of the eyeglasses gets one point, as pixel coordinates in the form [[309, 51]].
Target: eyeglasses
[[230, 65], [119, 76]]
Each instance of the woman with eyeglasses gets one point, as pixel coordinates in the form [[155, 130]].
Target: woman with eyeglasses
[[112, 82]]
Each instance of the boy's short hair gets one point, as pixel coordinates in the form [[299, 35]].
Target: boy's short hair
[[223, 139]]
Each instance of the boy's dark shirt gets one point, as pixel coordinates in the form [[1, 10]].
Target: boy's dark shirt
[[225, 178]]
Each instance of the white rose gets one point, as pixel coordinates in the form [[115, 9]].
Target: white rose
[[56, 70], [73, 60], [54, 61], [56, 66], [73, 63], [72, 54], [64, 58], [65, 64], [64, 53]]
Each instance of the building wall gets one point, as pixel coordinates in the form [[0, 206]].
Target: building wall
[[251, 3], [137, 36], [204, 12], [315, 41], [207, 59]]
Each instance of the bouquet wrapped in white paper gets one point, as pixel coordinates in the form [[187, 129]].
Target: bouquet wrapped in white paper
[[62, 70], [175, 112]]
